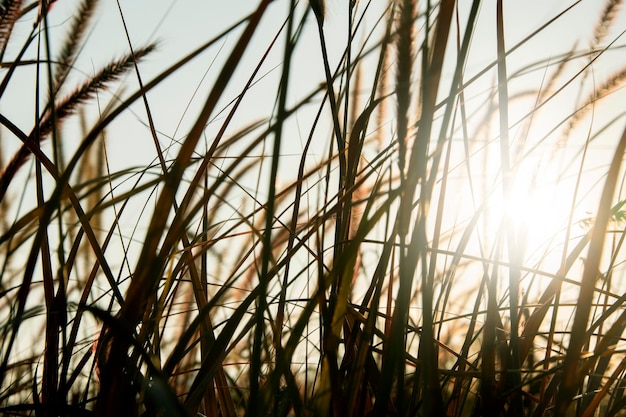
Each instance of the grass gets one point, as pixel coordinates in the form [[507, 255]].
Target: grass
[[382, 211]]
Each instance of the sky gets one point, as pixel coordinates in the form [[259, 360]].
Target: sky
[[179, 26]]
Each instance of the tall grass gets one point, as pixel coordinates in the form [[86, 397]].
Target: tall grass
[[405, 216]]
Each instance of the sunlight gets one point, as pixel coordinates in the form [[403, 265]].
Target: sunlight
[[532, 208], [542, 200], [538, 208]]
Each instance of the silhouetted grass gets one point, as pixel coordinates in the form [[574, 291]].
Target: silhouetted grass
[[378, 242]]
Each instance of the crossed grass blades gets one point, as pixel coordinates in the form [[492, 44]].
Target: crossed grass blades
[[349, 286]]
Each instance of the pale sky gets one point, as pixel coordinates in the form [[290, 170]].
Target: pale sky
[[182, 25]]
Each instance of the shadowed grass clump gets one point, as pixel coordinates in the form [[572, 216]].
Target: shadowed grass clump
[[374, 209]]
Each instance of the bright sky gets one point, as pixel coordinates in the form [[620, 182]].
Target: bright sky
[[182, 25]]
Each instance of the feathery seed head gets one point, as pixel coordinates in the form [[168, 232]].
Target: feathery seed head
[[319, 9]]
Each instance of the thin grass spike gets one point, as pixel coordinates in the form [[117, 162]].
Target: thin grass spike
[[10, 12], [67, 107]]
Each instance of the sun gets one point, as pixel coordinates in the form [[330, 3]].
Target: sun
[[538, 207]]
